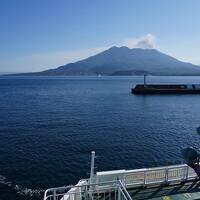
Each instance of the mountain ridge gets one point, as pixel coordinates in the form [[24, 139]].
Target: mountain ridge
[[124, 61]]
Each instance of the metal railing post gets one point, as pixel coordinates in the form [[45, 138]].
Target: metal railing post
[[166, 175], [144, 178], [119, 193], [86, 193], [54, 195], [187, 172], [124, 179]]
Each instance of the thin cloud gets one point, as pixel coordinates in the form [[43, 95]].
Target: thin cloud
[[145, 42]]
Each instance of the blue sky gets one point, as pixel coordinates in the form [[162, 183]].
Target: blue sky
[[41, 34]]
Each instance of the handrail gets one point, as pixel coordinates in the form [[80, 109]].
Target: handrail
[[122, 192], [75, 187], [124, 188], [125, 179]]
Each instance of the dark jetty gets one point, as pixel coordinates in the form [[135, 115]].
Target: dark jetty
[[166, 88]]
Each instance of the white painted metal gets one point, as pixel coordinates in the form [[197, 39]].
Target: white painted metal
[[148, 176], [92, 166], [107, 182]]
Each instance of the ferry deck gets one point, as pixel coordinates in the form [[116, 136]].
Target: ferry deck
[[160, 183]]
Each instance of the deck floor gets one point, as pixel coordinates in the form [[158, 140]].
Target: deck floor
[[186, 190], [185, 196]]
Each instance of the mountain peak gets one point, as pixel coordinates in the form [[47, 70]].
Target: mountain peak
[[133, 49], [118, 48], [124, 47], [113, 47]]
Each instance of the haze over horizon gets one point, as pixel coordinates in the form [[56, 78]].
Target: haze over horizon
[[39, 35]]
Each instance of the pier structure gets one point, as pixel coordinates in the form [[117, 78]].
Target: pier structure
[[165, 88]]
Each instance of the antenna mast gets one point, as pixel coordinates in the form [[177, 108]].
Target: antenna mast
[[92, 166]]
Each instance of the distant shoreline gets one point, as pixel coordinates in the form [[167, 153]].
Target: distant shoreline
[[20, 75]]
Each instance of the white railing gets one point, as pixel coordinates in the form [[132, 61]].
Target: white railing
[[142, 177], [112, 185], [114, 190]]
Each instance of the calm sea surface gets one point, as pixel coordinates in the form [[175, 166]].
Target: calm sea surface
[[49, 126]]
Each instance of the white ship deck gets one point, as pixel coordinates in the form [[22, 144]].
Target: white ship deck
[[148, 183]]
